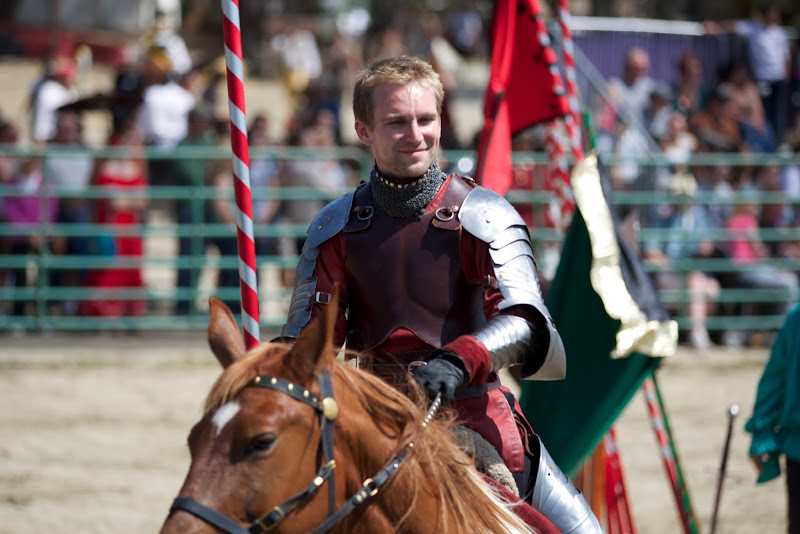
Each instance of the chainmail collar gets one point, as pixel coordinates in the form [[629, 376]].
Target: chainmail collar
[[405, 199]]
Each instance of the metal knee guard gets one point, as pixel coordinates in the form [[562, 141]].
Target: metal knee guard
[[559, 500]]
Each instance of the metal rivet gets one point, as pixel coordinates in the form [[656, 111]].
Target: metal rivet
[[257, 379], [273, 381], [330, 408], [305, 393], [290, 387]]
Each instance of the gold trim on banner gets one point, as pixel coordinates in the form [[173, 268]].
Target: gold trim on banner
[[637, 333]]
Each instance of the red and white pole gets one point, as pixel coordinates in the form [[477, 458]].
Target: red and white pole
[[670, 462], [558, 166], [572, 120], [241, 171]]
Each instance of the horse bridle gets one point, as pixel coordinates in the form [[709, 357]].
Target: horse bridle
[[328, 409]]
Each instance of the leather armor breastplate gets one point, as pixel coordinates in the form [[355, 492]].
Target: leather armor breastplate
[[405, 272]]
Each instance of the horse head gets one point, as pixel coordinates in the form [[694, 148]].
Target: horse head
[[255, 447], [263, 455]]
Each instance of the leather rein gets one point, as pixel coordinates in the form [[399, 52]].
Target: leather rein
[[328, 410]]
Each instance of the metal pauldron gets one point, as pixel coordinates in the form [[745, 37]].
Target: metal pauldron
[[328, 222], [489, 217]]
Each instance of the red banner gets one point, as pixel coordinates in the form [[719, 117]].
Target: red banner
[[524, 87]]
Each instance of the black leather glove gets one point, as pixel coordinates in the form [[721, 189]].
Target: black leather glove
[[444, 372]]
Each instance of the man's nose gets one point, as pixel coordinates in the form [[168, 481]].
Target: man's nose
[[414, 131]]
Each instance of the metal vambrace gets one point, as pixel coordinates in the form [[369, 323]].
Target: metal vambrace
[[559, 500], [512, 340]]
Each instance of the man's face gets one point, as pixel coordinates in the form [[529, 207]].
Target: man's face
[[405, 131]]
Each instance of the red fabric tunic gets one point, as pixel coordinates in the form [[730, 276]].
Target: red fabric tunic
[[486, 409]]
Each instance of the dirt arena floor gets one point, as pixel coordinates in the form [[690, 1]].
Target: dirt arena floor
[[94, 429]]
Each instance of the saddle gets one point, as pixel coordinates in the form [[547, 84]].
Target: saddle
[[497, 475], [487, 459]]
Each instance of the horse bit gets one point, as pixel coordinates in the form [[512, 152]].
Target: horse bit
[[328, 410]]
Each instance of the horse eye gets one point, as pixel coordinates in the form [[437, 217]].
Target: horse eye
[[259, 444]]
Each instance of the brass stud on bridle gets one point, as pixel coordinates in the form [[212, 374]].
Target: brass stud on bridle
[[330, 408]]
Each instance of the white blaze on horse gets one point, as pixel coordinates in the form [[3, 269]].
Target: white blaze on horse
[[294, 440]]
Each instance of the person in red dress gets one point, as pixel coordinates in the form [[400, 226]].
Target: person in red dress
[[121, 211]]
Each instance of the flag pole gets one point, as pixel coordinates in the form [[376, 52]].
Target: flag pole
[[669, 453], [245, 241], [559, 167], [572, 120]]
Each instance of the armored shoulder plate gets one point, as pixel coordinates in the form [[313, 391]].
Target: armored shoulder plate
[[489, 217], [328, 222]]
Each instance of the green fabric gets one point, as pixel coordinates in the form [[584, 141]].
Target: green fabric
[[572, 415], [775, 423]]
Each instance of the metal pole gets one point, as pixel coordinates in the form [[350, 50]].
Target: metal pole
[[733, 411]]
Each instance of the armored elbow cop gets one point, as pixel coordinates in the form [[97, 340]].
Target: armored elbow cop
[[513, 340]]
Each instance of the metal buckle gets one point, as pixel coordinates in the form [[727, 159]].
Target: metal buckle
[[446, 214], [413, 366], [369, 485], [267, 528], [364, 213]]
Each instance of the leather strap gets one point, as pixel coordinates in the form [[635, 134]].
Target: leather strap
[[470, 392], [208, 515]]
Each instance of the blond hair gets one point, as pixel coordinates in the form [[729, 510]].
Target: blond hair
[[402, 70]]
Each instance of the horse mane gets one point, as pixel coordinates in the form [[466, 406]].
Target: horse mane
[[241, 372], [473, 504]]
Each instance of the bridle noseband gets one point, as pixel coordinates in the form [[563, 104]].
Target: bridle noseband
[[328, 410]]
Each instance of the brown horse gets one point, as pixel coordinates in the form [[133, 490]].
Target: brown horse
[[264, 452]]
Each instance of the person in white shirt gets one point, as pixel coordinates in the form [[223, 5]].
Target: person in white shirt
[[163, 116], [55, 90]]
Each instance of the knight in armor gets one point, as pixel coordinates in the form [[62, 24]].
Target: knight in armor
[[433, 268]]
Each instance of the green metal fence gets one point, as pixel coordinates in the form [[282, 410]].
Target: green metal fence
[[739, 308]]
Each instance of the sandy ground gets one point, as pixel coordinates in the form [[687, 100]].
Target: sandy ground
[[94, 429]]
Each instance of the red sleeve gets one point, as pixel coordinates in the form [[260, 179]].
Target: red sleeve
[[331, 268]]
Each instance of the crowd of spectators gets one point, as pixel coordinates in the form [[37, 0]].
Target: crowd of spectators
[[750, 110], [162, 99]]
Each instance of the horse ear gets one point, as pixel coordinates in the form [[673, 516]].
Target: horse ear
[[224, 337], [316, 339]]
